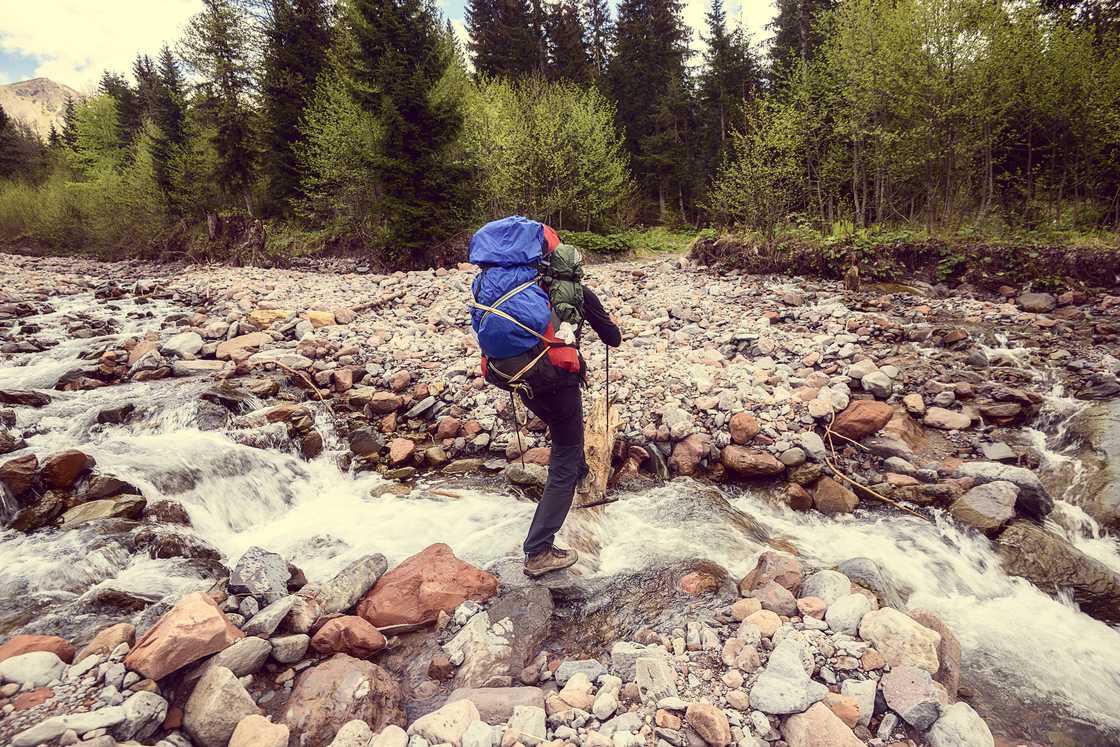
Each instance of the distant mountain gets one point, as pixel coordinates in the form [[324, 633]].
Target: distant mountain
[[39, 102]]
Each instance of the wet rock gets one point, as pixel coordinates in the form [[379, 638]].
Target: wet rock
[[862, 418], [420, 587], [710, 723], [1052, 564], [18, 475], [337, 691], [348, 634], [120, 507], [184, 345], [784, 686], [446, 725], [901, 640], [63, 468], [773, 566], [909, 692], [826, 585], [818, 727], [192, 629], [830, 497], [496, 704], [107, 640], [1033, 499], [257, 731], [25, 644], [24, 398], [33, 669], [986, 507], [948, 652], [261, 573], [97, 487], [1037, 303], [216, 706], [10, 442], [960, 726], [41, 513], [529, 611], [1097, 428], [750, 464], [948, 420], [688, 452]]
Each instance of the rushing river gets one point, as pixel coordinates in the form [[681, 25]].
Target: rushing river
[[1034, 664]]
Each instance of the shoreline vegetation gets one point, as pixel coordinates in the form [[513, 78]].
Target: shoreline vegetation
[[281, 129]]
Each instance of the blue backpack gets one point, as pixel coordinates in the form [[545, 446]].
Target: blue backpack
[[511, 312]]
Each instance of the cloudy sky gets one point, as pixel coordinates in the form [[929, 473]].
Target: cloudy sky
[[73, 41]]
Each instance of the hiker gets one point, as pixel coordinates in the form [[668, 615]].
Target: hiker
[[529, 306]]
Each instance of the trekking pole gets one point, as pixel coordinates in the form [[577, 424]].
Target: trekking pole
[[516, 428], [607, 387]]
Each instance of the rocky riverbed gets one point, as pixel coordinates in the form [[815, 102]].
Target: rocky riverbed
[[877, 517]]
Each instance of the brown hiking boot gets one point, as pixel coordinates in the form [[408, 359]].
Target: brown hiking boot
[[550, 560]]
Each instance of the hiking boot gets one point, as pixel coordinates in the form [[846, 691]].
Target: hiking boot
[[554, 559]]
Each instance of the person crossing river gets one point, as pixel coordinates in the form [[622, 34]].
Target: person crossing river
[[528, 308]]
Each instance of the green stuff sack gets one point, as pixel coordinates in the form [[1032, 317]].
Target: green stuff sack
[[562, 276]]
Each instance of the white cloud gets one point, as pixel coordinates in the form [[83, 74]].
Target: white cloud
[[75, 40]]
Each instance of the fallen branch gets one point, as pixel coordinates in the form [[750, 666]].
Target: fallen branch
[[378, 302]]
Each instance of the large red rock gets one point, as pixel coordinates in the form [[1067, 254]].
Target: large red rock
[[773, 566], [863, 418], [348, 634], [62, 469], [25, 644], [401, 450], [948, 651], [194, 628], [830, 497], [744, 427], [746, 463], [416, 590], [688, 452], [18, 474], [337, 691]]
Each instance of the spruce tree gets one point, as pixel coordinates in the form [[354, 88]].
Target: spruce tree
[[599, 29], [217, 45], [128, 106], [296, 40], [569, 56], [648, 79], [730, 79], [70, 125], [167, 112], [505, 37], [399, 59], [796, 32], [54, 140]]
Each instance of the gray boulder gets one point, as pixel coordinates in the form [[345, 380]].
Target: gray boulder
[[960, 726], [784, 686], [986, 507], [827, 586], [31, 670], [1033, 500], [216, 706], [261, 573]]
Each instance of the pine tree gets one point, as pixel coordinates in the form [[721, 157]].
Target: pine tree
[[728, 82], [597, 22], [128, 106], [504, 37], [569, 56], [217, 45], [54, 140], [401, 56], [647, 78], [296, 41], [164, 87], [70, 125], [796, 32]]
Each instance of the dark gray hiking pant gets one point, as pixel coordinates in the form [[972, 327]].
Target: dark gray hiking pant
[[562, 411]]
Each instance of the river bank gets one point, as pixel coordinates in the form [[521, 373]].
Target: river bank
[[275, 407]]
